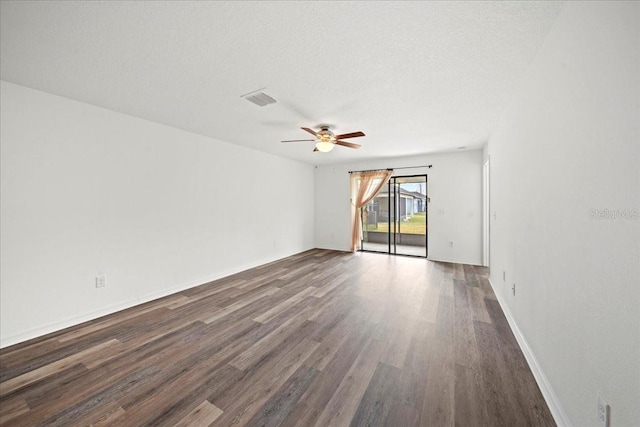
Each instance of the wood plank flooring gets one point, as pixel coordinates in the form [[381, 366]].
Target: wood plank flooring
[[320, 338]]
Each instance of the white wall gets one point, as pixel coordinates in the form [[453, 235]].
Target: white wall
[[570, 143], [454, 184], [156, 209]]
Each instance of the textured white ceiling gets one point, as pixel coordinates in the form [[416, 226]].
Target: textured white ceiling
[[416, 77]]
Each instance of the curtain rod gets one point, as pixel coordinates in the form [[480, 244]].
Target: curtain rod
[[390, 169]]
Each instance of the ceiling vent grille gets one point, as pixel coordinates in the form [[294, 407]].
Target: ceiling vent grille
[[259, 98]]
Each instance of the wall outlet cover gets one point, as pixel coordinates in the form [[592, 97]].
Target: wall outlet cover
[[603, 412], [101, 281]]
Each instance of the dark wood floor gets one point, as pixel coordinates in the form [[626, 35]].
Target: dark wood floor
[[321, 338]]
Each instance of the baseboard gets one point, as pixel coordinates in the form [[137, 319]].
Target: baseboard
[[452, 261], [105, 311], [559, 415], [63, 324], [140, 299]]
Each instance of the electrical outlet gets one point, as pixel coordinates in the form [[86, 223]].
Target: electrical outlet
[[450, 244], [513, 289], [504, 276], [101, 281], [603, 412]]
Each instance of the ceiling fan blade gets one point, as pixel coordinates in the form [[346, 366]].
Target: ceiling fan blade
[[298, 140], [348, 144], [315, 149], [350, 135], [311, 131]]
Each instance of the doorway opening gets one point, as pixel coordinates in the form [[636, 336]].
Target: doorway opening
[[396, 220]]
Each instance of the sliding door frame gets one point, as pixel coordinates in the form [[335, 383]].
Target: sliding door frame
[[392, 234]]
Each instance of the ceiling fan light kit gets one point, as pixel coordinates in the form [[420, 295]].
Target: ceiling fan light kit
[[324, 146], [326, 140]]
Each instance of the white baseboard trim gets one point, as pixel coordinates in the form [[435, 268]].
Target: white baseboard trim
[[559, 415], [140, 299], [105, 311], [63, 324], [453, 261]]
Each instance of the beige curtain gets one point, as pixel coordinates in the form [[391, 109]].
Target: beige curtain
[[364, 187]]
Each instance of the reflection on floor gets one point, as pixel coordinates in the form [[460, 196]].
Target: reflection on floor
[[400, 249], [321, 338]]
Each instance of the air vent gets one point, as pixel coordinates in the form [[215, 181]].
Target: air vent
[[259, 98]]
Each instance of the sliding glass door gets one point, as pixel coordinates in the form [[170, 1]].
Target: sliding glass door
[[395, 221]]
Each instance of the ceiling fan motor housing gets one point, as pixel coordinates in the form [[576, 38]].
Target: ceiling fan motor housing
[[325, 135]]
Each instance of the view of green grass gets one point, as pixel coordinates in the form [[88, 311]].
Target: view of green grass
[[414, 225]]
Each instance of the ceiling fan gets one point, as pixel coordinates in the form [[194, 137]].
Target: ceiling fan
[[326, 140]]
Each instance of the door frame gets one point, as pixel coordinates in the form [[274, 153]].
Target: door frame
[[486, 214], [392, 245]]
